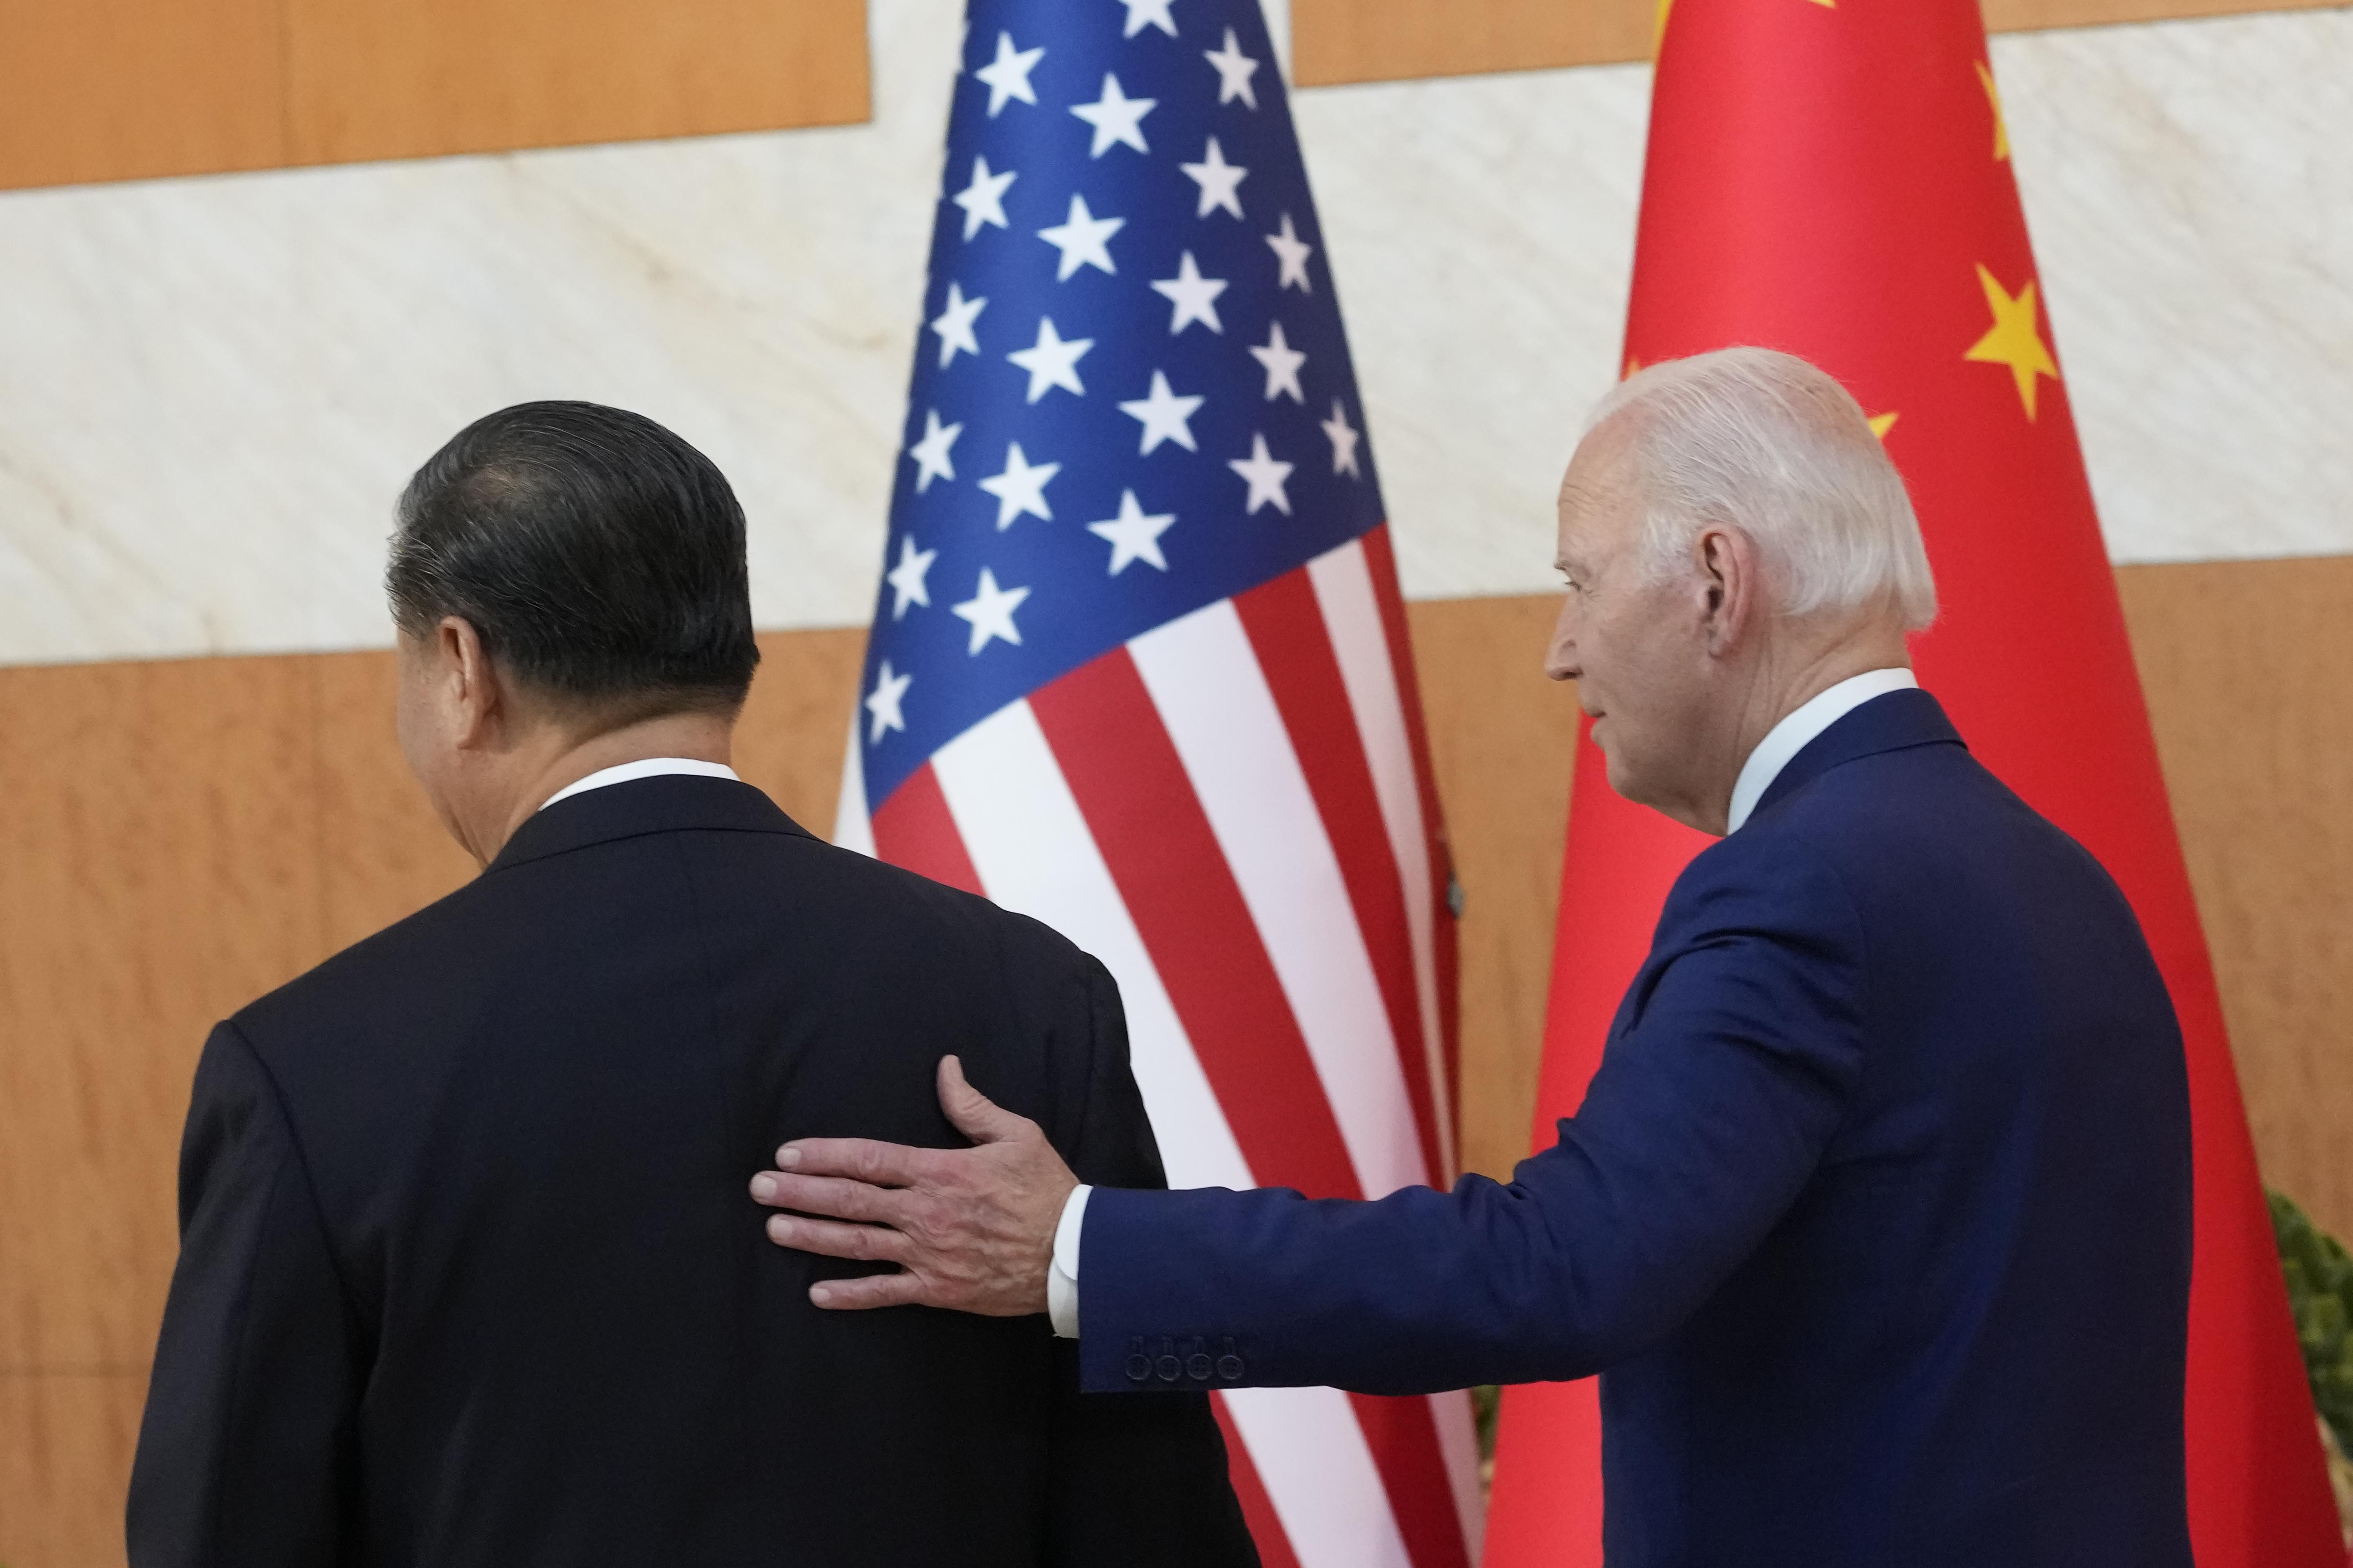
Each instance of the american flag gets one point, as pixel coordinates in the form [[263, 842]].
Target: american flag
[[1139, 665]]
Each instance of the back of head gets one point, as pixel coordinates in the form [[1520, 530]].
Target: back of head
[[598, 557], [1765, 442]]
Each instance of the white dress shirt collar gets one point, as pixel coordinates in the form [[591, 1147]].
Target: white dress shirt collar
[[647, 768], [1794, 731]]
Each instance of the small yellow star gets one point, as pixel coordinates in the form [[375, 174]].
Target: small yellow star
[[1659, 34], [1993, 99], [2014, 340], [1880, 423], [1633, 366]]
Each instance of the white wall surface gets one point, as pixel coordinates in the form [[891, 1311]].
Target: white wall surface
[[211, 389]]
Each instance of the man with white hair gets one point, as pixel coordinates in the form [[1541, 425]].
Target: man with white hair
[[1875, 1217]]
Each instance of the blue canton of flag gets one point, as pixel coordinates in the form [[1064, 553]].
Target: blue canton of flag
[[1132, 396]]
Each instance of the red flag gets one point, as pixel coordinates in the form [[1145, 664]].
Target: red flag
[[1833, 180]]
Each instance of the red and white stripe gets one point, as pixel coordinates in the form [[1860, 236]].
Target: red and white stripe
[[1232, 812]]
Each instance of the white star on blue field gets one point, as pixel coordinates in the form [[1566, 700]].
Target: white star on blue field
[[1133, 397]]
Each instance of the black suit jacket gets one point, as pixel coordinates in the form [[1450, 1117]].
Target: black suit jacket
[[469, 1274]]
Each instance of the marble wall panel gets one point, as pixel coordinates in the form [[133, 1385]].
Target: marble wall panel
[[1481, 231], [2191, 204], [216, 385]]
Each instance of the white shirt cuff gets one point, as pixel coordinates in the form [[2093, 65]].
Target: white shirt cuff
[[1063, 1274]]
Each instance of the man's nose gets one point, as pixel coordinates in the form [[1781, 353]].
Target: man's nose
[[1560, 655]]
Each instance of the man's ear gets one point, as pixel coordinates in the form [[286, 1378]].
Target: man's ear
[[476, 694], [1729, 578]]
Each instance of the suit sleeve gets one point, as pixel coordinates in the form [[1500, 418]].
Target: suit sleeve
[[1134, 1481], [1715, 1101], [245, 1451]]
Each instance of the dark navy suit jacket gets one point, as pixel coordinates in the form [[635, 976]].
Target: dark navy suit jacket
[[1876, 1218], [470, 1276]]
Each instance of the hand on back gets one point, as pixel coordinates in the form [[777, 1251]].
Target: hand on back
[[971, 1229]]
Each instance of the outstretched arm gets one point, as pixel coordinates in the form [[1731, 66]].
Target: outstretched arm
[[1708, 1117]]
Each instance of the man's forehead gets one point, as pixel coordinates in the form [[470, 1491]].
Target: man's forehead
[[1573, 546], [1594, 490], [1600, 463]]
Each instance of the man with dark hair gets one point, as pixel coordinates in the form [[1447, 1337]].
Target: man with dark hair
[[384, 1342]]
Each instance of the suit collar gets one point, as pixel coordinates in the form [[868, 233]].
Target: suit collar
[[673, 803], [1798, 729], [1893, 722]]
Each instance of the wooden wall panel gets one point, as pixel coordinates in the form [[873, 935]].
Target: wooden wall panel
[[112, 90], [2245, 664], [119, 90], [1335, 41], [158, 867], [1502, 738], [404, 79], [65, 1442], [2029, 15], [382, 853], [795, 725]]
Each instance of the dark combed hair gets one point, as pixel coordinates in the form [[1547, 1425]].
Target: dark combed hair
[[600, 557]]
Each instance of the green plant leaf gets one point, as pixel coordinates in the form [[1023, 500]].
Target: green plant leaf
[[2319, 1274]]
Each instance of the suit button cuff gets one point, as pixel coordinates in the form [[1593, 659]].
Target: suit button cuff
[[1169, 1366]]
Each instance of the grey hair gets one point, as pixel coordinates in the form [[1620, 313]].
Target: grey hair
[[1766, 443]]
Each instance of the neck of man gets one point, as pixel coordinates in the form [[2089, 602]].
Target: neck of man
[[1791, 670], [553, 755]]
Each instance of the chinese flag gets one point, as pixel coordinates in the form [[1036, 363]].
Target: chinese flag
[[1833, 179]]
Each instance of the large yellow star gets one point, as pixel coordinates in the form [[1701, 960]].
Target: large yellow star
[[2014, 340], [1880, 423], [1993, 100]]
